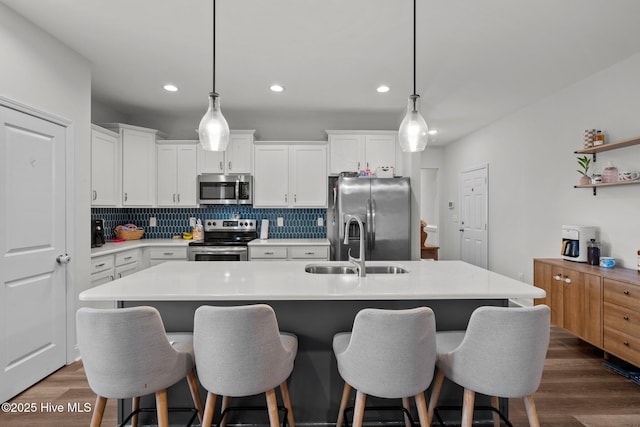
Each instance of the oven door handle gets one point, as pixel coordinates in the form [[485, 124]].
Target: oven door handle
[[220, 249]]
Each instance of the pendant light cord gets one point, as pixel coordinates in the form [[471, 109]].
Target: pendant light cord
[[214, 46], [414, 47]]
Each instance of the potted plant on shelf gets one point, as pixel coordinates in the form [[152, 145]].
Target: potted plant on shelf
[[584, 163]]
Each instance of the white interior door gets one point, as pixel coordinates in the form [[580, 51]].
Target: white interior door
[[32, 236], [473, 216]]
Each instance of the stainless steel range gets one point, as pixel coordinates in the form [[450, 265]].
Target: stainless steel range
[[224, 240]]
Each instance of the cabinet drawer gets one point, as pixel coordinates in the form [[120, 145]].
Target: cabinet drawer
[[127, 257], [621, 293], [622, 319], [273, 252], [622, 345], [101, 264], [309, 252], [168, 253]]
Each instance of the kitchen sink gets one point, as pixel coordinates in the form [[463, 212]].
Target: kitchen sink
[[348, 269]]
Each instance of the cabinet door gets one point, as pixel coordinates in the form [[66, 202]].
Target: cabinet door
[[380, 150], [271, 176], [347, 153], [210, 161], [138, 168], [547, 277], [583, 305], [308, 176], [167, 175], [239, 154], [186, 176], [104, 169]]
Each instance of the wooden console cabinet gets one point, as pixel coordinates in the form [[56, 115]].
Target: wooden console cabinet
[[598, 305]]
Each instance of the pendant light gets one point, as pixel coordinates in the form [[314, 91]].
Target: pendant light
[[413, 133], [214, 129]]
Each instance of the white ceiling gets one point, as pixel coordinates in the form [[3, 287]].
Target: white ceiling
[[478, 60]]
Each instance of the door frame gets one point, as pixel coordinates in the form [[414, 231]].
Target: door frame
[[485, 167], [70, 217]]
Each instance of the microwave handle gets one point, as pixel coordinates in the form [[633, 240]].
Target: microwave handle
[[237, 191]]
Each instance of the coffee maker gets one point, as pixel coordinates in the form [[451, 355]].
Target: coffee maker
[[574, 242], [97, 233]]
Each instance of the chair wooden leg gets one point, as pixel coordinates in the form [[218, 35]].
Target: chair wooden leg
[[209, 406], [358, 412], [467, 407], [346, 391], [423, 414], [406, 404], [272, 405], [226, 402], [98, 411], [532, 413], [284, 390], [195, 394], [135, 405], [435, 393], [162, 408], [495, 402]]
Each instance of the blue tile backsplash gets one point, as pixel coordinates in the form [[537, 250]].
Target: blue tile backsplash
[[298, 223]]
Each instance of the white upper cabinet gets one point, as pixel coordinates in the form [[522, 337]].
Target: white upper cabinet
[[177, 173], [138, 164], [236, 159], [352, 151], [290, 176], [105, 169]]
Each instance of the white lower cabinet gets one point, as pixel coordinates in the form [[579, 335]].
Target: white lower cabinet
[[127, 262], [102, 271], [282, 252], [160, 254]]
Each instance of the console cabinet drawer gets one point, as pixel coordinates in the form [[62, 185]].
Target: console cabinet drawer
[[621, 293], [622, 345], [272, 252], [101, 263], [622, 319], [309, 252], [127, 257]]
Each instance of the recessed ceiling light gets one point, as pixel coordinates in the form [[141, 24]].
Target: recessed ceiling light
[[383, 89], [433, 131], [276, 88], [170, 88]]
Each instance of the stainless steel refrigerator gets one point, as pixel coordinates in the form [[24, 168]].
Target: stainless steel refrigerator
[[383, 205]]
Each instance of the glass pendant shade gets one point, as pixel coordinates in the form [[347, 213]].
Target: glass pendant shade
[[214, 129], [413, 133]]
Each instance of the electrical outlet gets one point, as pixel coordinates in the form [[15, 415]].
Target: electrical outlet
[[153, 222], [320, 222], [192, 222], [280, 221]]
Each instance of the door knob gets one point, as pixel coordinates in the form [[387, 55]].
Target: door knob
[[63, 259]]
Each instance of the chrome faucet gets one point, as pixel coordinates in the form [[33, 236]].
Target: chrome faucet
[[358, 262]]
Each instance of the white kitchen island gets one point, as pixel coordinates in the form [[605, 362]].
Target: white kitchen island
[[314, 307]]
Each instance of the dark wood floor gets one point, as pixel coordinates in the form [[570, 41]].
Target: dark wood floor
[[575, 391]]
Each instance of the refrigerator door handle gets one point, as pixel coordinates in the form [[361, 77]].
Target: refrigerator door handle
[[373, 225]]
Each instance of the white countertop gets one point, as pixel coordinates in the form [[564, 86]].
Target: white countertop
[[290, 242], [111, 247], [287, 280]]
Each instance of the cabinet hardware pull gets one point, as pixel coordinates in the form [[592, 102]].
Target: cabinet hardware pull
[[221, 166], [168, 253], [174, 197], [112, 278], [295, 197], [95, 194], [119, 275], [625, 317], [567, 279], [127, 257], [626, 292], [178, 197], [230, 166], [286, 197], [268, 253], [100, 265], [126, 196], [309, 253], [626, 343], [556, 277]]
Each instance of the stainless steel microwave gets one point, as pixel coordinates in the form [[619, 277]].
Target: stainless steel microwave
[[214, 189]]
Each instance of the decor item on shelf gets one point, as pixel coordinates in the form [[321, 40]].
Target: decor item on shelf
[[589, 135], [584, 163], [628, 175], [214, 129], [598, 138], [596, 178], [413, 133], [423, 233], [610, 174]]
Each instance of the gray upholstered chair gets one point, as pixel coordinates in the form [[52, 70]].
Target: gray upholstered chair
[[126, 353], [389, 354], [240, 352], [501, 354]]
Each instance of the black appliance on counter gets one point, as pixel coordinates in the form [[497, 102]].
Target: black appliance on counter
[[97, 233], [224, 240]]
